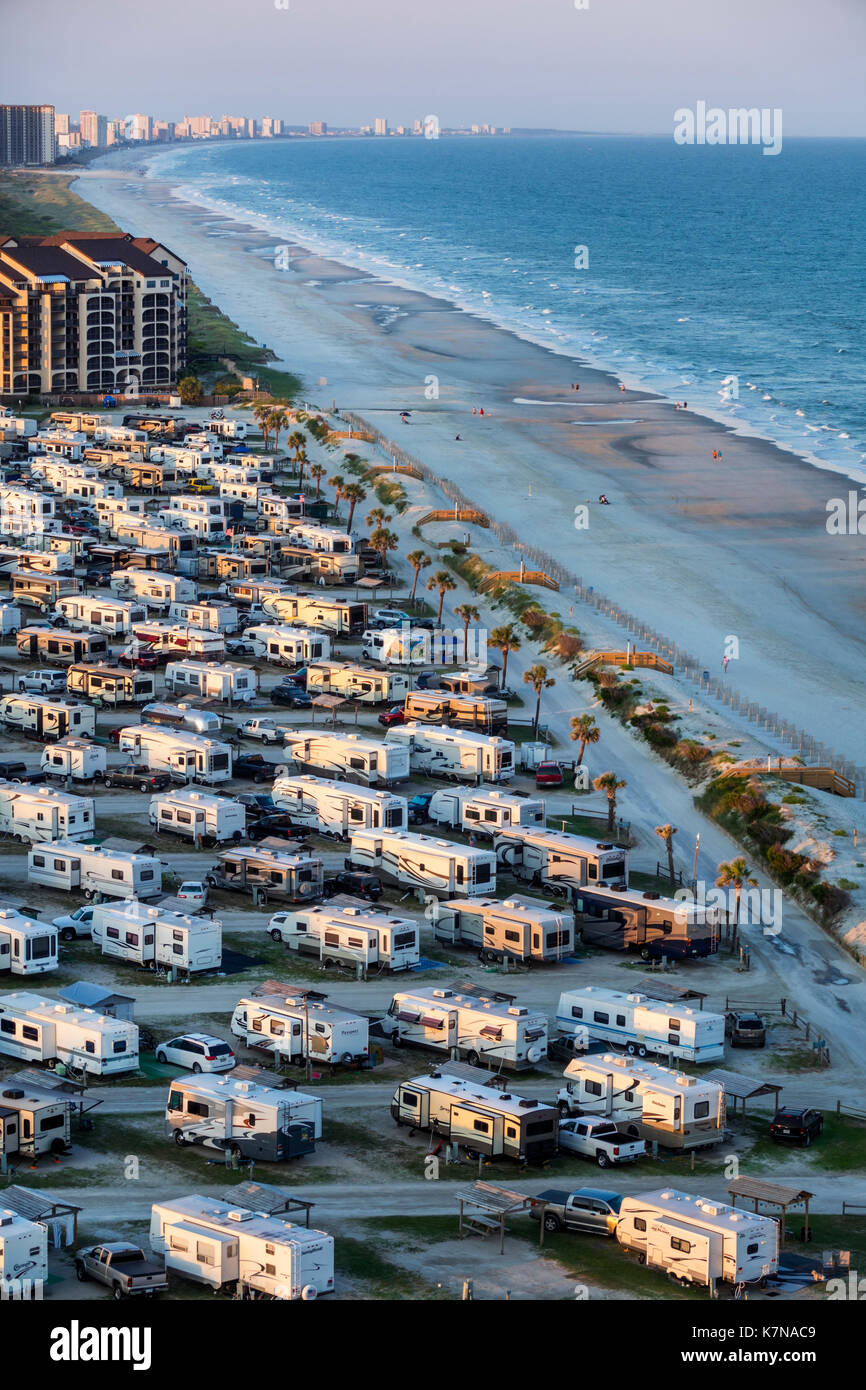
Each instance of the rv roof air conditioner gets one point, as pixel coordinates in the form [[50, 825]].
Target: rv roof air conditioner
[[239, 1215], [518, 1012]]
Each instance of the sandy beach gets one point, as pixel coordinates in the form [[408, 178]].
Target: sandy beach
[[700, 549]]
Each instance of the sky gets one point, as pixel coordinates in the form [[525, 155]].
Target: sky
[[610, 65]]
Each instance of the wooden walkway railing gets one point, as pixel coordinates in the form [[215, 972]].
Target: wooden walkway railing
[[518, 577], [590, 660], [469, 514]]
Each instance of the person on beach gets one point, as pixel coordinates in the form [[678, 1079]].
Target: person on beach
[[622, 386], [458, 436], [474, 411], [481, 410], [725, 660]]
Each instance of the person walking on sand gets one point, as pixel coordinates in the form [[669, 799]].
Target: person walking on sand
[[481, 410], [458, 436], [725, 660], [474, 411]]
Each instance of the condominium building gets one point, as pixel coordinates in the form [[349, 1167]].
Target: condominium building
[[94, 130], [26, 135], [380, 126]]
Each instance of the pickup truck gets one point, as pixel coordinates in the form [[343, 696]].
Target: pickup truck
[[599, 1139], [122, 1268], [588, 1209], [264, 729], [138, 777], [255, 767]]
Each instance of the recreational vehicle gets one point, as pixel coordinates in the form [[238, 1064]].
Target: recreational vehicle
[[42, 591], [112, 616], [66, 865], [210, 617], [287, 646], [699, 1240], [524, 929], [247, 592], [352, 935], [481, 1117], [23, 1251], [38, 717], [10, 619], [652, 1102], [212, 680], [235, 565], [560, 862], [182, 716], [35, 814], [350, 757], [302, 1027], [111, 685], [167, 639], [656, 926], [271, 873], [485, 812], [471, 1024], [32, 1122], [144, 534], [641, 1025], [420, 861], [464, 756], [243, 1119], [228, 1247], [333, 808], [152, 936], [26, 947], [152, 588], [76, 758], [194, 756], [41, 1029], [410, 646], [477, 712], [198, 816], [313, 537], [320, 566], [339, 616], [361, 683], [204, 516], [54, 646]]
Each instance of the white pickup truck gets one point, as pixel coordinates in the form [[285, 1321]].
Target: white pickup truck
[[599, 1139], [264, 729]]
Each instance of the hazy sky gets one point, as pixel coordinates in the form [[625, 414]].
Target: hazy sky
[[621, 65]]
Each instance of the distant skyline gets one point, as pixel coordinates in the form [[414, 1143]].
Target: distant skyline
[[616, 66]]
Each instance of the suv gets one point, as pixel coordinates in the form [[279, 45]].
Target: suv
[[548, 774], [356, 883], [745, 1029], [391, 617], [138, 776], [395, 715], [43, 681], [197, 1052], [796, 1126]]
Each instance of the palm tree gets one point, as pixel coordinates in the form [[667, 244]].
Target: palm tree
[[505, 639], [384, 541], [444, 583], [378, 517], [667, 833], [469, 613], [354, 493], [419, 560], [338, 482], [301, 461], [279, 421], [317, 471], [735, 875], [584, 730], [538, 678], [610, 784], [262, 415], [297, 443]]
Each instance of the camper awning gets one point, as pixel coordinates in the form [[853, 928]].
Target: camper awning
[[532, 1033], [429, 1022], [488, 1031], [405, 1017]]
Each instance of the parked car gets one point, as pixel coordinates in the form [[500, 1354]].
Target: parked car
[[193, 894], [418, 808], [75, 924], [123, 1268], [395, 715], [145, 661], [549, 774], [745, 1029], [19, 772], [138, 777], [44, 682], [298, 677], [254, 766], [565, 1047], [589, 1209], [98, 578], [359, 885], [391, 617], [599, 1139], [292, 695], [197, 1052], [796, 1126]]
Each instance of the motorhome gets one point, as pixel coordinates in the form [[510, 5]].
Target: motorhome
[[212, 1243], [183, 716], [464, 756], [210, 617], [41, 1029], [472, 1023], [481, 1117], [33, 1121], [111, 685], [287, 646], [333, 808], [198, 816], [26, 947], [343, 618], [36, 716], [655, 926], [269, 873], [652, 1102], [245, 1119], [357, 936], [302, 1027], [23, 1252], [485, 812], [152, 588], [313, 537], [194, 756], [77, 758], [478, 712], [560, 862], [56, 647], [167, 639], [524, 929], [42, 591], [641, 1025], [35, 814], [420, 861], [112, 616], [369, 686], [150, 935], [67, 865], [212, 680], [227, 429], [697, 1239], [351, 757]]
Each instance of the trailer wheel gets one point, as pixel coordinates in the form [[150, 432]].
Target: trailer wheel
[[552, 1222], [641, 1052], [179, 1138], [89, 893], [630, 1049], [276, 934]]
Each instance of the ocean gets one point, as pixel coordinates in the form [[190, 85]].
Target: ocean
[[717, 276]]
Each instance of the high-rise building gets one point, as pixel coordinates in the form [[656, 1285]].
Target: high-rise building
[[26, 135], [139, 127], [380, 126], [114, 132], [61, 123], [318, 127], [94, 130]]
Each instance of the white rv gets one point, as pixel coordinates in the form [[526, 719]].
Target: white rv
[[287, 646], [152, 587], [38, 717], [34, 814], [699, 1240], [229, 1247], [479, 712], [113, 616], [23, 1249], [560, 862], [168, 639], [483, 1118], [211, 617], [67, 865], [334, 808], [26, 947], [363, 683], [198, 816], [212, 680], [485, 812], [653, 1102], [525, 929], [656, 926], [74, 758], [351, 757], [10, 619], [149, 935], [313, 537], [33, 1121], [303, 1026], [196, 757], [339, 616], [40, 1029], [420, 861], [642, 1025], [272, 873], [183, 716], [52, 645], [464, 756], [356, 936], [111, 685], [477, 1026], [246, 1119]]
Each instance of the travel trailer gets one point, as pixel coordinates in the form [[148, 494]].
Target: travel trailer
[[212, 680], [194, 756], [166, 639], [66, 865], [183, 716], [76, 758], [478, 712], [313, 537], [42, 591], [699, 1240], [410, 646], [150, 935], [147, 535], [652, 1102], [32, 1122], [210, 617], [198, 816], [485, 812], [23, 1248], [302, 1027], [111, 685], [464, 756], [26, 947], [348, 935], [339, 616], [420, 861], [35, 814], [524, 929], [38, 717], [269, 873], [361, 683], [41, 1029], [113, 616], [204, 516], [234, 564], [287, 646], [247, 592], [53, 646], [560, 862], [10, 619], [469, 1023], [243, 1119], [479, 1116], [318, 566], [655, 926], [228, 1247], [152, 588], [641, 1025], [350, 757], [333, 808]]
